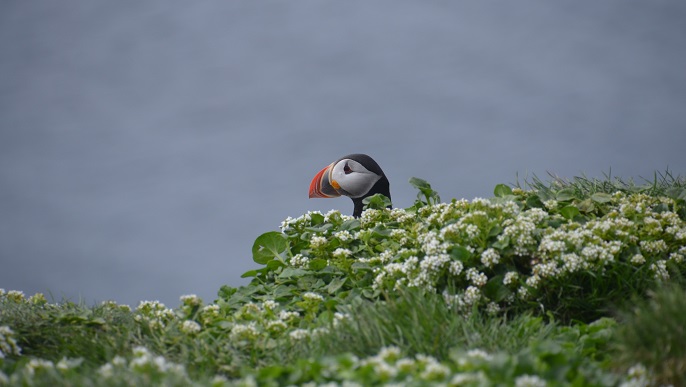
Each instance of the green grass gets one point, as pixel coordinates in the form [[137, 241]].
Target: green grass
[[653, 333], [422, 323], [572, 282]]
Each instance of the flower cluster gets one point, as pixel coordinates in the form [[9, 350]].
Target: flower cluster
[[154, 314], [8, 344], [471, 367], [143, 362], [465, 245]]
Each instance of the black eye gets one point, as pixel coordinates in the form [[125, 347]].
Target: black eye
[[347, 169]]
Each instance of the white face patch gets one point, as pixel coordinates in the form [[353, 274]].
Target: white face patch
[[353, 178]]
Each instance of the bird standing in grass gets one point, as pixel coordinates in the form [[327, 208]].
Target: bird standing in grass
[[356, 176]]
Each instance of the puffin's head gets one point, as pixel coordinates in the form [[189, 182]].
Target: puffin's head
[[355, 176]]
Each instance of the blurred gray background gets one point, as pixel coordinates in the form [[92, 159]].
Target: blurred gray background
[[145, 145]]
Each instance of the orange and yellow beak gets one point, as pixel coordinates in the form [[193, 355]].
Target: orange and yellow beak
[[322, 186]]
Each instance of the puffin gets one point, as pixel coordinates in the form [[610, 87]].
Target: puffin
[[356, 176]]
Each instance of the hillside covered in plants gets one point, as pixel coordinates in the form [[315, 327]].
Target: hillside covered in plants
[[576, 282]]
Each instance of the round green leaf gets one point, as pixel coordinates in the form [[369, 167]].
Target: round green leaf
[[268, 246], [459, 253], [565, 194], [569, 212], [600, 197], [502, 190]]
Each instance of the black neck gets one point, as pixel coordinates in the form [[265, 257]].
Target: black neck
[[381, 187]]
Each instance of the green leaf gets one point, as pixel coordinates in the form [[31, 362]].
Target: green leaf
[[377, 201], [283, 291], [320, 228], [600, 197], [569, 212], [586, 206], [534, 202], [495, 290], [292, 272], [676, 193], [495, 231], [502, 190], [460, 253], [268, 246], [316, 218], [250, 273], [226, 291], [360, 266], [335, 284], [349, 225], [565, 195], [317, 264], [420, 184], [425, 189], [501, 244], [381, 231], [97, 321]]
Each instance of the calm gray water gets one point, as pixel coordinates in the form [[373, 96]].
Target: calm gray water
[[145, 145]]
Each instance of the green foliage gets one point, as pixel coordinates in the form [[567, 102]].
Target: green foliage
[[518, 289], [426, 195], [653, 335], [422, 322], [377, 202], [269, 246]]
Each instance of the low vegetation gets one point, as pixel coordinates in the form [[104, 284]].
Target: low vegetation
[[577, 282]]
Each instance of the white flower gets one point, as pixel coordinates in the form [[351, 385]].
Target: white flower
[[658, 246], [270, 304], [285, 315], [389, 354], [191, 300], [659, 269], [492, 308], [299, 260], [529, 381], [676, 257], [276, 326], [343, 235], [637, 371], [244, 332], [510, 278], [341, 253], [435, 371], [67, 364], [299, 334], [286, 224], [468, 378], [339, 317], [455, 268], [190, 327], [638, 259], [317, 241], [472, 295], [572, 263], [106, 370], [310, 296], [16, 295], [477, 278], [533, 281], [38, 365], [479, 354], [8, 344], [490, 257], [384, 370], [546, 269]]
